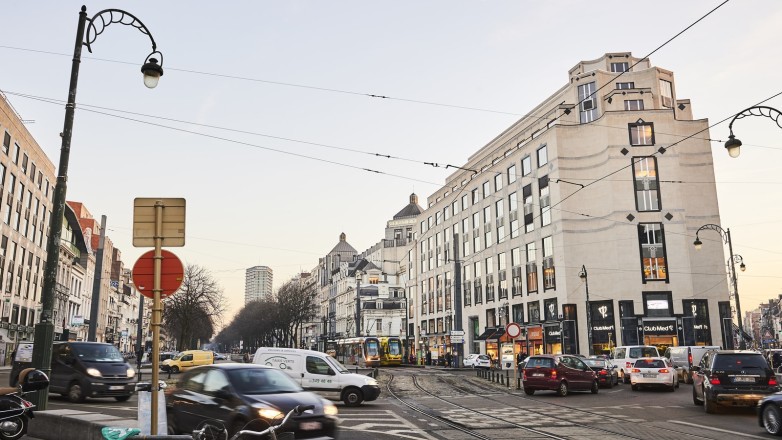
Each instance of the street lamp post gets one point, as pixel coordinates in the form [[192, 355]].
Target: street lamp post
[[733, 145], [584, 276], [44, 330], [358, 302], [725, 234]]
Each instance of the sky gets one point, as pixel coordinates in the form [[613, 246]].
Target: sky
[[264, 119]]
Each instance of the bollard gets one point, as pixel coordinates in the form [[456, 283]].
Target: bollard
[[507, 378], [518, 383], [502, 379]]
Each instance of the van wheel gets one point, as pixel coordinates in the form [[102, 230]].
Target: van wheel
[[708, 405], [695, 397], [625, 377], [75, 393], [595, 388], [529, 391], [175, 369], [352, 397], [121, 398]]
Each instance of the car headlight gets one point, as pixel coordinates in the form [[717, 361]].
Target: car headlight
[[269, 413], [369, 381], [329, 408], [93, 372], [131, 372]]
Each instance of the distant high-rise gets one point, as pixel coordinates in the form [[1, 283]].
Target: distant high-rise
[[257, 283]]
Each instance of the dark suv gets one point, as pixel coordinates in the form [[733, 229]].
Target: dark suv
[[560, 373], [731, 378]]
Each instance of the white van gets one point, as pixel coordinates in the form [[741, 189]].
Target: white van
[[319, 372], [684, 357], [624, 358]]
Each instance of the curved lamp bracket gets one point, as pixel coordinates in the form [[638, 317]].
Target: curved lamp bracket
[[713, 227], [100, 21], [758, 110]]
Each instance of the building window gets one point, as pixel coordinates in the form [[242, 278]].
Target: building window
[[545, 201], [647, 184], [548, 264], [500, 216], [550, 310], [588, 106], [487, 226], [625, 85], [438, 217], [489, 279], [497, 182], [651, 238], [542, 156], [657, 304], [526, 166], [641, 133], [467, 285], [502, 276], [477, 285], [529, 217], [25, 160], [629, 324], [515, 261], [16, 153], [512, 174], [532, 269], [486, 189], [620, 67], [6, 142], [475, 196], [634, 104], [666, 94], [533, 311], [518, 313], [513, 208], [695, 322]]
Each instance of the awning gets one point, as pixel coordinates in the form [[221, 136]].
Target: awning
[[486, 333], [498, 332]]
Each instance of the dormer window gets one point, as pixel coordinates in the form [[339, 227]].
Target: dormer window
[[620, 67]]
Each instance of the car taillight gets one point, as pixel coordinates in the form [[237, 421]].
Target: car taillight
[[628, 364], [524, 375], [689, 358], [603, 372], [553, 374], [664, 370], [635, 370], [772, 381], [714, 380]]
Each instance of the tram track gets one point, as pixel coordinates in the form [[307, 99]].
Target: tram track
[[463, 389]]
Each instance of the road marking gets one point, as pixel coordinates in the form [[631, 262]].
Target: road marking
[[717, 429]]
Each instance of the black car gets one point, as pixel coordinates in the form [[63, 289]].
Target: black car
[[245, 396], [732, 378], [770, 413], [605, 371]]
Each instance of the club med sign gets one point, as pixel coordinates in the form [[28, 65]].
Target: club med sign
[[660, 328]]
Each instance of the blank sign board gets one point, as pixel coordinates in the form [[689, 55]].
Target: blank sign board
[[172, 212]]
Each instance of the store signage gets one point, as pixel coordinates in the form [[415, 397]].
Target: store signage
[[660, 328], [603, 328], [553, 332], [535, 333], [701, 327]]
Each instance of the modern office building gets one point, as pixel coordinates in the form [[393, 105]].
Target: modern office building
[[257, 283], [577, 222]]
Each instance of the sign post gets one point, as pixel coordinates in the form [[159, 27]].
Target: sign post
[[156, 220], [514, 331]]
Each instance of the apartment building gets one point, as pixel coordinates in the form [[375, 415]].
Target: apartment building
[[258, 281], [577, 222]]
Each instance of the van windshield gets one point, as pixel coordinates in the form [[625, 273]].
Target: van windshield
[[639, 352], [336, 365], [97, 353]]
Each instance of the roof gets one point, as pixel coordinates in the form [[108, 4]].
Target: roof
[[343, 246], [411, 210]]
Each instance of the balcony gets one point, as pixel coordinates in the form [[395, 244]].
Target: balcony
[[61, 291]]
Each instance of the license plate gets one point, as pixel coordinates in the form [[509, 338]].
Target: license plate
[[650, 375], [537, 375], [744, 379], [310, 426], [117, 387]]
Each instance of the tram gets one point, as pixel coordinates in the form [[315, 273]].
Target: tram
[[362, 352], [390, 351]]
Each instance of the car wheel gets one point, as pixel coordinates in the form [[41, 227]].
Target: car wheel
[[695, 399], [708, 405], [175, 369], [121, 398], [75, 393], [772, 419], [595, 388], [625, 377], [677, 383], [352, 397], [634, 387], [529, 391], [563, 389]]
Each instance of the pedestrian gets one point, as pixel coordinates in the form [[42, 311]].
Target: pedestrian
[[447, 359], [246, 357]]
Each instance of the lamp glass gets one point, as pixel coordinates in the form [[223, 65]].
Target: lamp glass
[[151, 80], [734, 151]]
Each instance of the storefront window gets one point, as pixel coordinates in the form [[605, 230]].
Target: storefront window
[[695, 322]]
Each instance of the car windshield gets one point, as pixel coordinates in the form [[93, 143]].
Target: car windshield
[[649, 363], [638, 352], [597, 363], [739, 361], [540, 362], [336, 365], [97, 353], [262, 381]]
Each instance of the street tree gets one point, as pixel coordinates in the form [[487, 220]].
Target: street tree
[[193, 312]]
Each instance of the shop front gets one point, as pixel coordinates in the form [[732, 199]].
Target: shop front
[[661, 333], [603, 327], [534, 340], [552, 336]]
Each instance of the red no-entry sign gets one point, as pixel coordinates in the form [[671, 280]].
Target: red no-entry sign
[[171, 274]]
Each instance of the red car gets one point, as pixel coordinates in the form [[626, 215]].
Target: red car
[[561, 373]]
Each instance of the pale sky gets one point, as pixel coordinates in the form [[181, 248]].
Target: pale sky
[[293, 76]]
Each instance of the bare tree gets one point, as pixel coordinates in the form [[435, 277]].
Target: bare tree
[[195, 309]]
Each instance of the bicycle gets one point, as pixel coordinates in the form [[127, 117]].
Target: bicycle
[[207, 432]]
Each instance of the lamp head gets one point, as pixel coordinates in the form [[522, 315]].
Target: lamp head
[[743, 266], [733, 146], [697, 243], [152, 72], [582, 274]]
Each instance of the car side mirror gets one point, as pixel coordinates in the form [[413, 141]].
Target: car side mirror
[[695, 368], [223, 394]]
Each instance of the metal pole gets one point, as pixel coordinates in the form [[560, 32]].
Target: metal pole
[[742, 344], [44, 330], [358, 304], [589, 310], [139, 333], [157, 308], [96, 284]]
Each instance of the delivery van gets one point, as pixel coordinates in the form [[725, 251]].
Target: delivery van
[[321, 373], [187, 359], [82, 369]]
